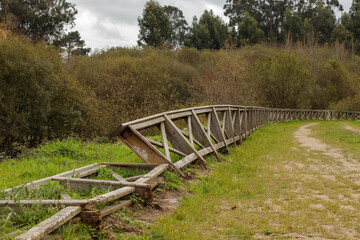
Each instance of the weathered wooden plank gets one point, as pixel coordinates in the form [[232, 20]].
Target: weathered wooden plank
[[14, 204], [118, 177], [143, 148], [79, 172], [216, 127], [190, 135], [164, 140], [208, 130], [50, 224], [200, 133], [144, 166], [170, 148], [114, 207], [134, 178], [110, 196], [195, 141], [178, 140], [83, 184], [152, 174], [65, 196]]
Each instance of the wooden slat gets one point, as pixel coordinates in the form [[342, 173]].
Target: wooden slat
[[190, 134], [79, 172], [201, 134], [118, 177], [195, 141], [114, 207], [134, 178], [170, 148], [216, 127], [152, 174], [50, 224], [108, 197], [83, 184], [179, 141], [144, 166], [14, 204], [164, 140]]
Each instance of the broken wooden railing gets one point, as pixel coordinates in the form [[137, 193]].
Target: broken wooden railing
[[185, 135], [116, 199], [192, 133]]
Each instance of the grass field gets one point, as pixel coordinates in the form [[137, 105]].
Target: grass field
[[271, 187]]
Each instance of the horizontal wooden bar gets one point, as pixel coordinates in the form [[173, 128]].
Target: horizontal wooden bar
[[79, 172], [114, 207], [83, 184], [144, 166], [14, 204]]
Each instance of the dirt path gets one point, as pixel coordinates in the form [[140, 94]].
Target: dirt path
[[352, 129], [339, 177], [303, 135]]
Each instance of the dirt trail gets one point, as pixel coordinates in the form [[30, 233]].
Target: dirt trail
[[338, 174], [352, 129], [303, 135]]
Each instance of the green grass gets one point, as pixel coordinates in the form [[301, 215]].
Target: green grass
[[60, 156]]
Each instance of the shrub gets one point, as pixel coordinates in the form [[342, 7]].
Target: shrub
[[38, 99], [285, 80]]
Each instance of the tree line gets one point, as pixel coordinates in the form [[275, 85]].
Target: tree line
[[44, 21], [252, 22]]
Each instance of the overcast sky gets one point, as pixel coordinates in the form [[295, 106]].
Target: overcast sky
[[108, 23]]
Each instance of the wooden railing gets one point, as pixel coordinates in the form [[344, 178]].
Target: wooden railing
[[195, 132]]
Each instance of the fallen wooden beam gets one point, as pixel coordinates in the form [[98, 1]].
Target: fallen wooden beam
[[14, 204], [144, 166], [121, 192], [134, 178], [83, 184], [152, 174], [50, 224], [79, 172], [114, 207], [118, 177]]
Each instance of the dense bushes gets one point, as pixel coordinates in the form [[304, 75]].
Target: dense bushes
[[38, 99], [42, 98], [286, 80]]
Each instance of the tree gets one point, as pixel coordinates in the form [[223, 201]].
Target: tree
[[352, 22], [248, 31], [323, 19], [293, 26], [40, 20], [73, 44], [236, 9], [178, 24], [269, 14], [342, 35], [210, 32], [155, 26]]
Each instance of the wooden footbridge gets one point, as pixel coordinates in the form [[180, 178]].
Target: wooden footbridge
[[186, 135]]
